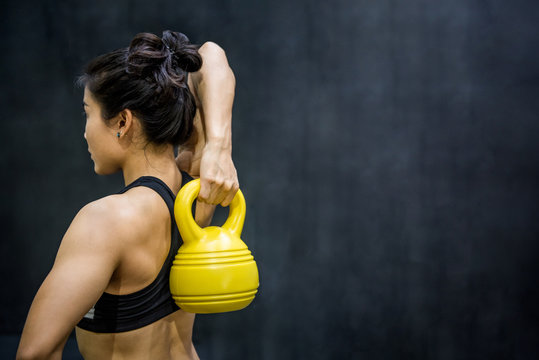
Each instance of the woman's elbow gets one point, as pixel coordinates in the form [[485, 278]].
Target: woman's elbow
[[30, 352], [214, 59], [212, 50]]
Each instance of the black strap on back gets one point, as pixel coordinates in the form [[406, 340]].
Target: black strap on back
[[159, 187]]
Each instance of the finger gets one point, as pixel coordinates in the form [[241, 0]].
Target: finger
[[205, 190], [210, 192], [231, 190], [217, 195]]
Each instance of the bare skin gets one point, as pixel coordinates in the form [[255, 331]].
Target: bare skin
[[168, 338], [113, 246]]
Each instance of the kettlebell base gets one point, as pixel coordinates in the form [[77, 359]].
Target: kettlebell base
[[215, 304]]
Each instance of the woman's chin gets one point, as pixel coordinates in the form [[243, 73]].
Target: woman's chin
[[99, 170]]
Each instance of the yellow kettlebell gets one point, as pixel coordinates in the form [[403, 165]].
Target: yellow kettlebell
[[213, 270]]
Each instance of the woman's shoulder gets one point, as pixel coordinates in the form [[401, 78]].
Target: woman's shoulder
[[122, 206], [106, 209], [123, 215], [97, 227], [109, 225]]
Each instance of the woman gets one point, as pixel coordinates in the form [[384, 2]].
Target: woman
[[110, 276]]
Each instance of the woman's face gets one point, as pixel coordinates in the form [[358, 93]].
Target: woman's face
[[103, 143]]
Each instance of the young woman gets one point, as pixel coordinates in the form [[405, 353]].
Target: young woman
[[110, 276]]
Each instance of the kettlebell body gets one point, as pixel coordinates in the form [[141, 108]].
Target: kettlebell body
[[213, 271]]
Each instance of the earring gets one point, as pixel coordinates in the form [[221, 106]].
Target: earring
[[118, 135]]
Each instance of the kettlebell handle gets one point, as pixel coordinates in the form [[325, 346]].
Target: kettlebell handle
[[184, 215]]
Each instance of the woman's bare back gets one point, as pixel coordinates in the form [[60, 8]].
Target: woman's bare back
[[143, 257], [168, 338]]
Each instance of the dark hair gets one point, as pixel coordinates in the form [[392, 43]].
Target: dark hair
[[150, 79]]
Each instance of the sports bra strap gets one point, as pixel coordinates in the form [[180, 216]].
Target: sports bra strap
[[159, 187]]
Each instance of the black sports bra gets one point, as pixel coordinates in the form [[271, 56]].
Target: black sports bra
[[118, 313]]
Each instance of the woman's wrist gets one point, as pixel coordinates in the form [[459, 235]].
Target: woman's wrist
[[218, 143]]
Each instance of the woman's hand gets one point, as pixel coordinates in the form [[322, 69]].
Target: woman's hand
[[213, 164], [218, 176]]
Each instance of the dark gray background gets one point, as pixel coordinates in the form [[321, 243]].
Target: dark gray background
[[388, 151]]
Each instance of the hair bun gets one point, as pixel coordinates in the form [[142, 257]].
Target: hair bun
[[185, 54]]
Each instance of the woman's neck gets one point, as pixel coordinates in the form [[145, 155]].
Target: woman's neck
[[152, 161]]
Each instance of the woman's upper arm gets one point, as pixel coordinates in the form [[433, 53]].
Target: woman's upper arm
[[82, 270], [213, 86]]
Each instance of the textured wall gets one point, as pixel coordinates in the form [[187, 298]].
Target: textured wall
[[387, 149]]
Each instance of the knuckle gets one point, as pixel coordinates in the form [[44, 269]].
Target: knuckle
[[229, 185]]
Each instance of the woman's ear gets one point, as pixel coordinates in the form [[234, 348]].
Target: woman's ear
[[125, 122]]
